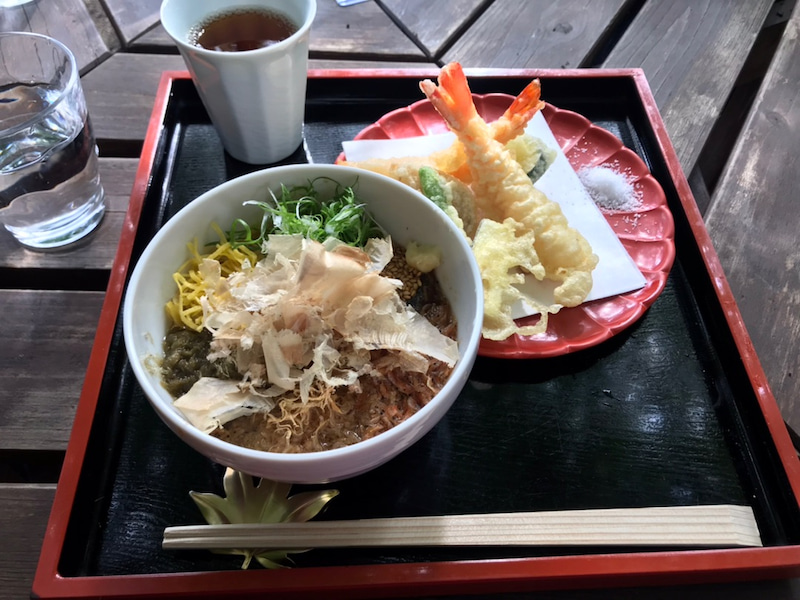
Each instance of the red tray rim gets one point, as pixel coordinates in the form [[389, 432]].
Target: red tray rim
[[452, 577]]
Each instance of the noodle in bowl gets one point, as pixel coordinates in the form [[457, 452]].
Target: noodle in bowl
[[403, 213]]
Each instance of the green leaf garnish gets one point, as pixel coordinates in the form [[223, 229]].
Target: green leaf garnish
[[267, 502]]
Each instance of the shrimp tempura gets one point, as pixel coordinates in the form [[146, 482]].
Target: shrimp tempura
[[503, 190]]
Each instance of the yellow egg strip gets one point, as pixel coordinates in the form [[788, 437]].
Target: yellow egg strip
[[185, 309]]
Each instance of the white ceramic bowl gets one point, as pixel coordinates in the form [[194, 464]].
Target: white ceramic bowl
[[403, 212]]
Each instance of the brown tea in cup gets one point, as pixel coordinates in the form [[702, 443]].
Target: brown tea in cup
[[242, 29]]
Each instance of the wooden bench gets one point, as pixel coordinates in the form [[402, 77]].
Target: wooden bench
[[754, 222]]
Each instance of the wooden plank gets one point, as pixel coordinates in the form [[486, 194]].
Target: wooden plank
[[434, 24], [120, 93], [358, 32], [691, 52], [155, 41], [545, 34], [26, 508], [82, 26], [726, 129], [754, 223], [97, 252], [46, 338], [133, 18]]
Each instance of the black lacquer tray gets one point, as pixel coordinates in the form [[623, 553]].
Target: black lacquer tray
[[672, 411]]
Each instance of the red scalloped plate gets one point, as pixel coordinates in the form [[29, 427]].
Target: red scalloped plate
[[647, 233]]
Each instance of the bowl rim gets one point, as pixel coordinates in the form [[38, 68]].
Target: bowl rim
[[180, 425]]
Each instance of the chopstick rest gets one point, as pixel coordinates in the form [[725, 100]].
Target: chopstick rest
[[708, 526]]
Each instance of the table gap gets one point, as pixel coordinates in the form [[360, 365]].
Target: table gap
[[92, 280], [30, 466], [111, 148], [611, 36]]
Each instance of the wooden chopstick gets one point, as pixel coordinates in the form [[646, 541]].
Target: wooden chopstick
[[707, 526]]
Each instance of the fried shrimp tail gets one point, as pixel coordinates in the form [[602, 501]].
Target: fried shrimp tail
[[503, 190], [516, 117]]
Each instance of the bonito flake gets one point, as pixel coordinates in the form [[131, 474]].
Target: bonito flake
[[284, 320]]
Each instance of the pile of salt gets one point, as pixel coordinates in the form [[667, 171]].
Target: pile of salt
[[609, 189]]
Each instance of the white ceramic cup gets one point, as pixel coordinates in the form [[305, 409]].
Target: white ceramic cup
[[255, 98]]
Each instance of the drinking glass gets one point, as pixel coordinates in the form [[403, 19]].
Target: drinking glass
[[50, 191]]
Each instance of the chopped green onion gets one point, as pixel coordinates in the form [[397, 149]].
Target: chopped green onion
[[300, 210]]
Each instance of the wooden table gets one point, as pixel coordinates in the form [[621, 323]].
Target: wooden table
[[724, 75]]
